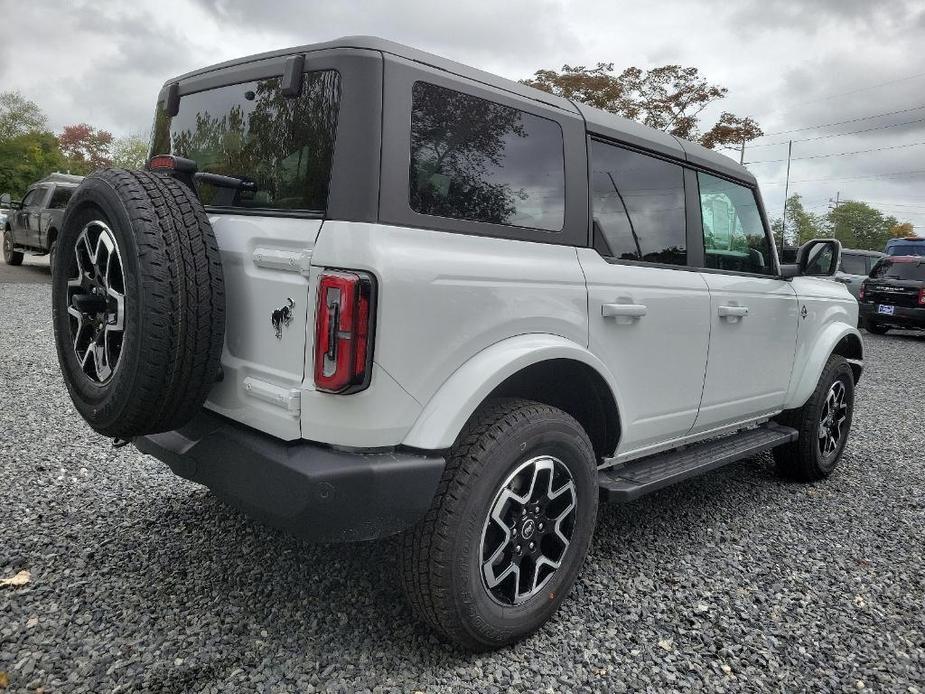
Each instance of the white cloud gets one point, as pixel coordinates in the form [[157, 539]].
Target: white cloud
[[787, 63]]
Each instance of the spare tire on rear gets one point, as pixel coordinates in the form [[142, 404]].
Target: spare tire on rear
[[138, 302]]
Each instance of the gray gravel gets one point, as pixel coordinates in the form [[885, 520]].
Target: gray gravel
[[737, 581]]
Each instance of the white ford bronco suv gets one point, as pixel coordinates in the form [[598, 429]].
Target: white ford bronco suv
[[361, 290]]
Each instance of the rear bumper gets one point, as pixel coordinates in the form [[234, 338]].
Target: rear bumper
[[903, 316], [313, 491]]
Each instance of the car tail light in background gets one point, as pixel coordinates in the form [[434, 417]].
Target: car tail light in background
[[861, 291], [344, 331], [922, 296]]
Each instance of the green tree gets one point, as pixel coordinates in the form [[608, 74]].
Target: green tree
[[18, 116], [801, 225], [130, 152], [25, 159], [858, 225], [669, 98]]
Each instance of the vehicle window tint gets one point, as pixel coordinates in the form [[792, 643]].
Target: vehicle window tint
[[281, 146], [853, 264], [901, 270], [60, 197], [733, 235], [637, 204], [478, 160], [30, 197]]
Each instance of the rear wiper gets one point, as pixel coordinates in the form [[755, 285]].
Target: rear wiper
[[220, 181]]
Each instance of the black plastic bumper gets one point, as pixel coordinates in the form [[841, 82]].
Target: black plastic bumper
[[903, 316], [308, 489]]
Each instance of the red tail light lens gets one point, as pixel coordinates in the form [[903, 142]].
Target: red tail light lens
[[861, 290], [343, 331], [922, 296]]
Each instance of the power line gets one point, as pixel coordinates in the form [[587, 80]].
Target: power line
[[853, 132], [837, 154], [849, 178], [843, 122], [861, 89]]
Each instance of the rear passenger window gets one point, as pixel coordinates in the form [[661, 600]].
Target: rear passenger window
[[637, 203], [60, 197], [475, 159], [733, 235], [854, 264]]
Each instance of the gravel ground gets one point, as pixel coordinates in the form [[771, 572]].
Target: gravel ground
[[142, 581]]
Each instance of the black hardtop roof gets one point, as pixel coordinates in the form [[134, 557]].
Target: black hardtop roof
[[598, 121]]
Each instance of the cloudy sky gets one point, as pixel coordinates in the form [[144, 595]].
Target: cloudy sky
[[791, 64]]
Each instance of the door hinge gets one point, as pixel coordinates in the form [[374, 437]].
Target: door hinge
[[289, 399], [279, 259]]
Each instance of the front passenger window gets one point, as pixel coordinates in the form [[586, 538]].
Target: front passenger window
[[733, 234]]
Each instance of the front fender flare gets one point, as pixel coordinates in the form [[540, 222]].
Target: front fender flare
[[445, 414], [811, 359]]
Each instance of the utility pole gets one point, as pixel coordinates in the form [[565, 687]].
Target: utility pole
[[783, 227], [742, 153], [836, 202]]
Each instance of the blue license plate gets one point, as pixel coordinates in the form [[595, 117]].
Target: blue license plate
[[886, 310]]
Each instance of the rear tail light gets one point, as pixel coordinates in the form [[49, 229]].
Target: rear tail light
[[922, 296], [861, 291], [344, 331]]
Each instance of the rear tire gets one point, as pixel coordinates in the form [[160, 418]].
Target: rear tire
[[824, 423], [477, 529], [10, 257], [138, 302]]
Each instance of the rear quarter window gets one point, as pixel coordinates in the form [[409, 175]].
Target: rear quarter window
[[283, 145], [478, 160]]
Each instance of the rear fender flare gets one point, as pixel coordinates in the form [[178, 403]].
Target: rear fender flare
[[445, 414]]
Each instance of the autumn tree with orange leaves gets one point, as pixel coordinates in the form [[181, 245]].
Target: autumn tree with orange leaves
[[669, 98]]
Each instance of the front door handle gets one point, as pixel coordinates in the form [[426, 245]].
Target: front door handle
[[629, 310], [733, 311]]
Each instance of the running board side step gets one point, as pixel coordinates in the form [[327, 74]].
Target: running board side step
[[646, 475]]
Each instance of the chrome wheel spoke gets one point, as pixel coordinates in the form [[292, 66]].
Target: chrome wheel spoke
[[527, 530], [96, 301], [835, 412]]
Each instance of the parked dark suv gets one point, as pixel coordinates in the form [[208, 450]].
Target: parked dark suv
[[894, 294], [32, 225]]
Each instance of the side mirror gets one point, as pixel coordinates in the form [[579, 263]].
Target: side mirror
[[816, 258]]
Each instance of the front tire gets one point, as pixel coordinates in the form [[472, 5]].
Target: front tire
[[824, 423], [10, 257], [509, 526]]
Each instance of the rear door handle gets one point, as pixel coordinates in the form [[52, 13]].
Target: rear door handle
[[630, 310], [732, 311]]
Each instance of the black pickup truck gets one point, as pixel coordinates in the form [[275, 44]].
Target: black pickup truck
[[32, 225]]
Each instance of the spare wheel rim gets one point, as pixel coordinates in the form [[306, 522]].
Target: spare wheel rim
[[96, 302]]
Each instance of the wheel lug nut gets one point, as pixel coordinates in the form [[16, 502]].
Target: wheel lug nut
[[517, 549], [532, 545], [514, 532], [540, 525]]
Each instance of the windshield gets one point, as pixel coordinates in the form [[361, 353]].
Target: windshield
[[907, 248], [253, 132], [904, 270]]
